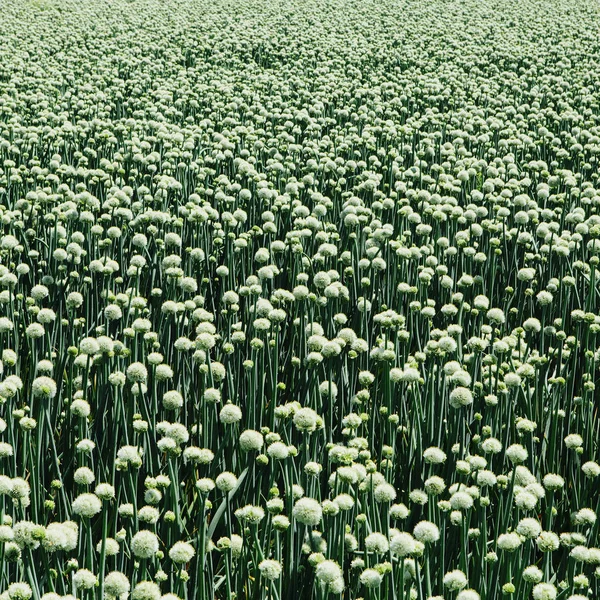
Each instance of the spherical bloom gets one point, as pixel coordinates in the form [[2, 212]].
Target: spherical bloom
[[468, 595], [89, 345], [251, 440], [525, 500], [403, 544], [146, 590], [116, 584], [144, 544], [371, 578], [280, 522], [532, 574], [250, 514], [148, 514], [278, 451], [591, 469], [426, 532], [86, 505], [307, 511], [19, 591], [270, 569], [460, 396], [230, 414], [384, 492], [111, 547], [306, 419], [435, 485], [205, 485], [517, 454], [553, 482], [226, 481], [547, 541], [532, 324], [376, 542], [44, 387], [584, 516], [544, 591], [328, 571], [529, 528], [573, 440], [181, 552], [172, 400], [496, 316], [26, 534], [130, 455], [509, 542], [84, 476], [344, 501], [455, 580], [137, 373], [461, 501], [84, 579], [113, 312], [434, 456]]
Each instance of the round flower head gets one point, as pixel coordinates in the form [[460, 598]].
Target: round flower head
[[344, 501], [371, 578], [434, 456], [278, 451], [376, 542], [172, 400], [205, 485], [591, 469], [403, 544], [509, 542], [270, 569], [89, 345], [573, 440], [116, 584], [144, 544], [137, 373], [460, 396], [84, 476], [496, 316], [307, 511], [181, 552], [306, 419], [461, 501], [111, 547], [544, 591], [44, 387], [251, 440], [146, 590], [84, 579], [455, 580], [553, 482], [19, 591], [529, 528], [584, 516], [547, 541], [226, 481], [230, 414], [328, 571], [105, 491], [517, 454], [426, 532], [250, 514], [384, 493], [532, 574], [86, 505]]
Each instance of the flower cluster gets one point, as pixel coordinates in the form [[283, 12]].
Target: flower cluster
[[298, 299]]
